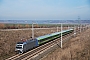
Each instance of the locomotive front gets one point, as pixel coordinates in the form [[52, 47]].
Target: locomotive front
[[19, 47]]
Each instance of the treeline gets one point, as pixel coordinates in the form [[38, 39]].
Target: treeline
[[18, 26]]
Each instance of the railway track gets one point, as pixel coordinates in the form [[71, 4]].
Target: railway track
[[33, 52], [46, 47], [28, 55]]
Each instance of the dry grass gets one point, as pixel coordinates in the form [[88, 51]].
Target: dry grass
[[8, 40], [77, 48]]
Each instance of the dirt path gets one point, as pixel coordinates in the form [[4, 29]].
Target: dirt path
[[77, 48]]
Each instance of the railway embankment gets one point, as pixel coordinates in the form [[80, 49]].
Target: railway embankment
[[39, 52], [52, 48], [77, 48], [8, 40]]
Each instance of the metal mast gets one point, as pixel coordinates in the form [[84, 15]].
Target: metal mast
[[61, 35], [79, 23], [57, 28], [32, 32]]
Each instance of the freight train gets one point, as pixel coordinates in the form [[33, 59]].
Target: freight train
[[24, 46]]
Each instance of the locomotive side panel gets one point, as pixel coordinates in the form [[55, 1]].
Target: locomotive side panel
[[31, 44]]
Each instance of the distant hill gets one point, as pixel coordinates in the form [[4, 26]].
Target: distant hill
[[45, 21]]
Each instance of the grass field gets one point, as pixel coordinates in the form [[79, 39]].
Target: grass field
[[77, 48], [8, 39]]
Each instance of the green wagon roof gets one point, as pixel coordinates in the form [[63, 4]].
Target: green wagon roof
[[48, 35]]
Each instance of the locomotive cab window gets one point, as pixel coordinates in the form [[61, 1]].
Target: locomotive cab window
[[19, 46]]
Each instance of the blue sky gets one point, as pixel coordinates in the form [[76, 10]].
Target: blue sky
[[44, 9]]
